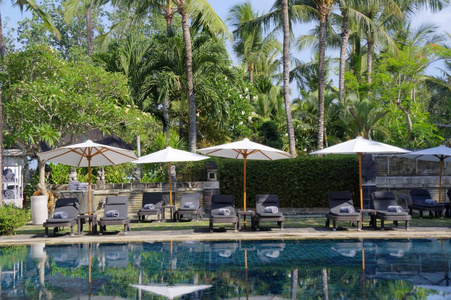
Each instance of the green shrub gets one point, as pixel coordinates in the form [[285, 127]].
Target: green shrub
[[299, 182], [12, 218]]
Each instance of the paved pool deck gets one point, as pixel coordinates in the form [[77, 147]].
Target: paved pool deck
[[442, 232]]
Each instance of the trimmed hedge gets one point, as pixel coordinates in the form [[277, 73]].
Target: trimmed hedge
[[12, 218], [300, 182]]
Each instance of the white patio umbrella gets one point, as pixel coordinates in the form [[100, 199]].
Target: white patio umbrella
[[359, 146], [88, 154], [245, 149], [441, 154], [171, 291], [170, 155]]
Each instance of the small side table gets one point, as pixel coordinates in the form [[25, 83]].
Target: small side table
[[243, 213], [372, 213], [82, 218], [171, 211]]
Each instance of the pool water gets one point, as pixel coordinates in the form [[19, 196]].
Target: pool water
[[280, 269]]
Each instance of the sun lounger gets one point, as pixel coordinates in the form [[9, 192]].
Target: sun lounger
[[116, 213], [223, 211], [341, 207], [189, 205], [151, 206], [66, 213], [420, 202], [388, 209], [267, 209], [114, 255]]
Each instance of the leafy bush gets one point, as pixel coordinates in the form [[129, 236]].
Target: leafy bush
[[299, 182], [12, 218]]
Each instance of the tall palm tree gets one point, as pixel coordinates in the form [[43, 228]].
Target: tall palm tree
[[250, 45], [201, 13], [282, 15], [77, 7]]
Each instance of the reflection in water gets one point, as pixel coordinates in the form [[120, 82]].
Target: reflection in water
[[322, 269]]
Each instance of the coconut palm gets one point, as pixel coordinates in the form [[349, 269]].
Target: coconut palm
[[202, 15], [83, 7], [250, 46]]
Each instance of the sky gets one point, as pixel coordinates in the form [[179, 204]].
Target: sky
[[222, 7]]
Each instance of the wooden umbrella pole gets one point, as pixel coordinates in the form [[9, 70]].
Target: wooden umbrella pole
[[440, 181], [244, 200], [170, 183], [89, 193], [360, 179]]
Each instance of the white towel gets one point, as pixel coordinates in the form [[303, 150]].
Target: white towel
[[272, 254], [394, 208], [225, 253], [189, 205], [149, 206], [347, 209], [271, 209], [112, 213], [224, 211], [430, 201], [60, 215]]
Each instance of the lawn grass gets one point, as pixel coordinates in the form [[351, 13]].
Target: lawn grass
[[290, 222]]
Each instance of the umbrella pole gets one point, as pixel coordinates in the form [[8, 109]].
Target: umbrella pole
[[440, 181], [360, 179], [244, 199], [363, 272], [246, 273], [170, 183], [89, 192]]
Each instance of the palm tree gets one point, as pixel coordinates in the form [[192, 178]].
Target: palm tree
[[77, 7], [250, 45], [203, 15], [48, 23]]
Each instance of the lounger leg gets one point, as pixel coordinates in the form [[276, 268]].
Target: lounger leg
[[410, 212], [334, 225], [101, 229], [125, 228], [421, 214], [211, 226], [46, 234], [396, 223], [382, 224], [327, 223], [235, 227], [281, 225], [72, 230], [407, 225]]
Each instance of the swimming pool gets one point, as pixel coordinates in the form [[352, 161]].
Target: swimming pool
[[301, 269]]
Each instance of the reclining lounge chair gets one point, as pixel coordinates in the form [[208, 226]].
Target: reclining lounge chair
[[388, 209], [267, 209], [339, 202], [420, 203], [116, 212], [151, 205], [223, 211], [189, 205], [66, 213]]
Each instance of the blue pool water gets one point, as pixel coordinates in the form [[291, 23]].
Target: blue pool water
[[306, 269]]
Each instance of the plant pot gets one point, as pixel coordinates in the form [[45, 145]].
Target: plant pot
[[39, 212]]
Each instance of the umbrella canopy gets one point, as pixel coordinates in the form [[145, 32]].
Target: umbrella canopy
[[245, 149], [359, 146], [171, 291], [441, 154], [88, 154], [169, 155]]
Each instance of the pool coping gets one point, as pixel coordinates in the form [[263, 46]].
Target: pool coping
[[311, 233]]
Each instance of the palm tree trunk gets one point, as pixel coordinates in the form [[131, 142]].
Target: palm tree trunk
[[286, 78], [344, 44], [189, 76], [2, 42], [369, 56], [251, 74], [321, 74], [90, 34]]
